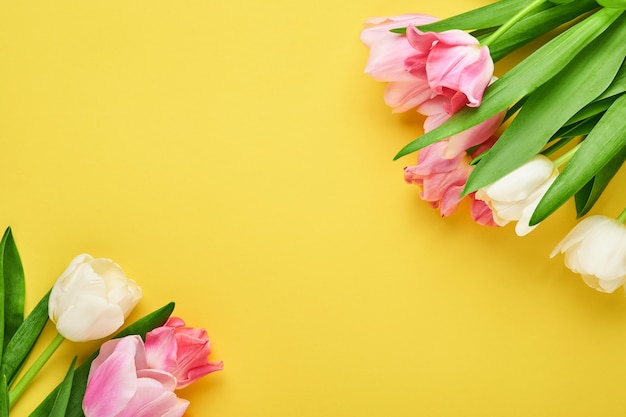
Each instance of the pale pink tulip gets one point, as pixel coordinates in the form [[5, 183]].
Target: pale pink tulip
[[120, 384], [389, 50], [453, 63], [438, 110], [442, 179], [181, 351]]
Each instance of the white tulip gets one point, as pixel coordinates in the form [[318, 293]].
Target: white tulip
[[91, 299], [515, 196], [596, 249]]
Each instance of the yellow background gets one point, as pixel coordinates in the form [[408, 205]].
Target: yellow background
[[233, 157]]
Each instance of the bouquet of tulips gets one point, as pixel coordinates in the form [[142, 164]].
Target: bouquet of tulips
[[135, 373], [551, 129]]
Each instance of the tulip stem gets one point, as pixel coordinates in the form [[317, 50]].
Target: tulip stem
[[622, 217], [565, 158], [516, 18], [34, 369]]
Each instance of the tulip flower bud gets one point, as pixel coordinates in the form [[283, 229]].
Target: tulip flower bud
[[596, 249], [180, 350], [515, 196], [91, 299]]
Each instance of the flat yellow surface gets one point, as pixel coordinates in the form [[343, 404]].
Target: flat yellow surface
[[233, 157]]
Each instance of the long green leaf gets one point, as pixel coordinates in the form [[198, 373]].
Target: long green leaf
[[524, 78], [12, 289], [549, 107], [491, 15], [582, 128], [607, 139], [4, 397], [538, 24], [594, 108], [22, 342], [589, 194], [63, 396], [618, 86], [74, 407]]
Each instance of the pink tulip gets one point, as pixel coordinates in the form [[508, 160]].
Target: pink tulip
[[181, 351], [481, 213], [389, 50], [442, 179], [121, 384], [438, 110], [453, 63]]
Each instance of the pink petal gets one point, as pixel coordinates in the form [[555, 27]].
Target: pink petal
[[161, 349], [112, 383], [151, 400], [481, 213], [405, 95]]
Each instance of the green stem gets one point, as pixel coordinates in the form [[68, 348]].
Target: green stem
[[622, 217], [507, 25], [23, 383], [563, 159]]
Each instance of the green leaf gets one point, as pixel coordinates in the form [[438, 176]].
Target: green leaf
[[63, 396], [617, 4], [491, 15], [74, 407], [4, 397], [536, 25], [592, 109], [606, 140], [618, 86], [589, 194], [12, 288], [524, 78], [582, 128], [548, 108], [21, 344]]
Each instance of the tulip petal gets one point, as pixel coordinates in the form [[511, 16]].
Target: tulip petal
[[152, 399], [90, 318], [113, 383], [161, 349]]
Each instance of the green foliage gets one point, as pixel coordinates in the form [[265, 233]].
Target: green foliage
[[4, 397], [589, 194], [605, 142], [552, 105], [12, 289], [63, 396], [21, 344], [616, 4]]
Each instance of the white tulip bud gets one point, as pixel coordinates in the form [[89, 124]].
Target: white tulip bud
[[91, 299]]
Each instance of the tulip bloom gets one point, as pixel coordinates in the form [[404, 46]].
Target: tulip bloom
[[388, 50], [91, 299], [442, 180], [181, 351], [596, 249], [120, 384], [482, 134], [420, 66], [451, 61], [515, 196]]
